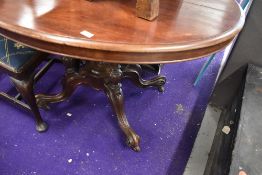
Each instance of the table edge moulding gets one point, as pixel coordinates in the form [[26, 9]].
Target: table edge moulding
[[120, 52], [121, 44]]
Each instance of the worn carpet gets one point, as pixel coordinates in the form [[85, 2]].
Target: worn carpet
[[89, 142]]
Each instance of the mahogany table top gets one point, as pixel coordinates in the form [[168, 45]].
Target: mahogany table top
[[184, 30]]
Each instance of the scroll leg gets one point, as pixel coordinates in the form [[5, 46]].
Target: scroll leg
[[71, 80], [115, 94], [135, 75], [69, 85], [25, 88]]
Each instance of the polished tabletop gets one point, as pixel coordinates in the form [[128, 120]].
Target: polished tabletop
[[184, 30]]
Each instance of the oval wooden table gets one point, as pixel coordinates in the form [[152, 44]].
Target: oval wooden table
[[110, 42]]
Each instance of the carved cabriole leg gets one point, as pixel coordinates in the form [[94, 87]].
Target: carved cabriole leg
[[133, 72], [25, 88], [100, 76], [107, 77], [71, 80], [115, 94]]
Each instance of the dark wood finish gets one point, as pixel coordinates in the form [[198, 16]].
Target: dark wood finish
[[185, 29], [24, 79], [106, 77], [25, 88]]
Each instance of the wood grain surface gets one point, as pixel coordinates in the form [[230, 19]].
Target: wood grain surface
[[184, 29]]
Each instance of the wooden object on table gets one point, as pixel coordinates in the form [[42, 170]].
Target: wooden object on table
[[147, 9], [185, 31]]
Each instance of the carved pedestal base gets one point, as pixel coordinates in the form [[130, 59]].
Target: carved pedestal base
[[106, 77]]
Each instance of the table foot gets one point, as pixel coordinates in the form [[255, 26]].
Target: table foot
[[115, 95], [41, 127]]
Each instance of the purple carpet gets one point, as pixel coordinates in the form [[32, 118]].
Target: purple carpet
[[90, 142]]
